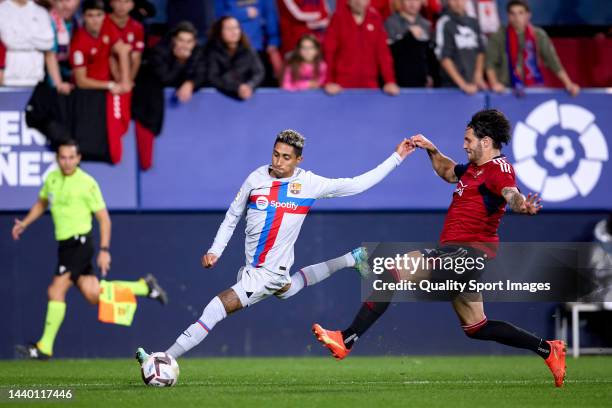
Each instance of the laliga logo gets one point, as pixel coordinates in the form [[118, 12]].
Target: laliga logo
[[568, 178]]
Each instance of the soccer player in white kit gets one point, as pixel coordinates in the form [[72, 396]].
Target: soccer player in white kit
[[276, 199]]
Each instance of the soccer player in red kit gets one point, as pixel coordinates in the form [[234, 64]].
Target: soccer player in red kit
[[484, 187]]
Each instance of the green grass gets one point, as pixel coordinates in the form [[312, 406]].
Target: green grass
[[321, 382]]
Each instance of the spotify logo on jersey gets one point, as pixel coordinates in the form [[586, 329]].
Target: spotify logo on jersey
[[559, 151]]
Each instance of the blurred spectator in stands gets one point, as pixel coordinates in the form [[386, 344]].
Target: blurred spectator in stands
[[460, 49], [601, 263], [383, 7], [91, 49], [2, 61], [485, 11], [356, 50], [143, 10], [305, 68], [259, 22], [410, 42], [432, 10], [514, 54], [300, 17], [57, 61], [129, 30], [25, 31], [200, 13], [232, 66], [178, 64]]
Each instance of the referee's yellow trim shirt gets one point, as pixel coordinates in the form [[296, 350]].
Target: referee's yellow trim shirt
[[73, 199]]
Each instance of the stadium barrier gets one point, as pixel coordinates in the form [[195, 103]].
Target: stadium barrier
[[209, 145]]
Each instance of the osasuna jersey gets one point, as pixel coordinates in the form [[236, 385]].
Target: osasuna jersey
[[276, 208], [478, 205]]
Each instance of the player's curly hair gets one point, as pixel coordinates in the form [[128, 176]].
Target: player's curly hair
[[492, 123], [292, 138]]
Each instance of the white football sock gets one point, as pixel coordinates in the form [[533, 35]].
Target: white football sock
[[316, 273], [213, 313]]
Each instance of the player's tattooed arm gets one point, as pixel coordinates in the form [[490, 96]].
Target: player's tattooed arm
[[529, 205], [443, 166]]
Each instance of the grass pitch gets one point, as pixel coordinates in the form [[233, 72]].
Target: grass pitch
[[321, 382]]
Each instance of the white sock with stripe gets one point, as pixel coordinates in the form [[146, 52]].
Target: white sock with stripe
[[213, 313], [316, 273]]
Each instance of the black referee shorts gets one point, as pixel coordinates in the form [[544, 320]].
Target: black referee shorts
[[74, 256]]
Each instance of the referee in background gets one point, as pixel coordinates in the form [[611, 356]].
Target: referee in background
[[74, 196]]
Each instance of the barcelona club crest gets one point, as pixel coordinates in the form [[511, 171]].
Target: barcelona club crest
[[295, 188]]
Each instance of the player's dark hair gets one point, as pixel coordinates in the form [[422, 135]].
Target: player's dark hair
[[69, 143], [292, 138], [184, 27], [492, 123], [522, 3], [93, 5]]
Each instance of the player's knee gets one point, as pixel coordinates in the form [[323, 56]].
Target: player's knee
[[474, 331], [56, 292], [284, 293]]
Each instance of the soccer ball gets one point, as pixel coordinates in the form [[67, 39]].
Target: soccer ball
[[160, 370]]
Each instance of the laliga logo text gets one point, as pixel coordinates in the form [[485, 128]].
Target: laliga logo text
[[22, 160], [574, 164], [262, 203]]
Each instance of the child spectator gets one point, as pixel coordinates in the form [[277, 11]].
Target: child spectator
[[232, 66], [460, 49], [301, 17], [305, 68], [410, 43], [515, 52], [91, 50], [258, 19], [57, 61], [356, 50], [129, 30], [25, 31]]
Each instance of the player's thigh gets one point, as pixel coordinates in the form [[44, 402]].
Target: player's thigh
[[256, 284], [58, 287], [469, 308], [89, 287], [412, 267]]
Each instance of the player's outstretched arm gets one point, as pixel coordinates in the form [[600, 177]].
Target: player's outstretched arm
[[529, 205], [35, 212], [443, 166], [343, 187]]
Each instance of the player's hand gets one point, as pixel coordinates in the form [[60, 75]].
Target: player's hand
[[209, 260], [422, 142], [333, 89], [18, 229], [531, 205], [405, 148], [245, 91], [391, 88], [103, 262]]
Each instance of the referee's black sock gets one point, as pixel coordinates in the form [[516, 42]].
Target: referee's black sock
[[508, 334], [370, 311]]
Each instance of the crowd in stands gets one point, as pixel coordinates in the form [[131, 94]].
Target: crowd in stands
[[69, 45]]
